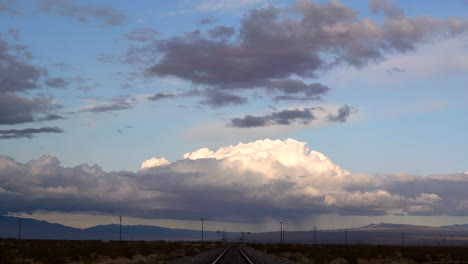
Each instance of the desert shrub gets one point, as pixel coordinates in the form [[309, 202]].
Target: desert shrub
[[339, 261], [6, 256], [417, 256]]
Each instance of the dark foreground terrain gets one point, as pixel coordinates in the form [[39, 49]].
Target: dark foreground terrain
[[365, 254], [151, 252]]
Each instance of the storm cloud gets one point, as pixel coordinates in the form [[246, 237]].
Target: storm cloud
[[255, 181]]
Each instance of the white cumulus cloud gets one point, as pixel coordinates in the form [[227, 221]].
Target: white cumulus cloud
[[263, 179], [154, 162]]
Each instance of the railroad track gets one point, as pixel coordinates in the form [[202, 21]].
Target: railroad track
[[232, 255]]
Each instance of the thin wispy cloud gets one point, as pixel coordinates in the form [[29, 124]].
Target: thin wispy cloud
[[28, 132], [83, 13]]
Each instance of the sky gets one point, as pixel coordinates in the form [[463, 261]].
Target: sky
[[251, 112]]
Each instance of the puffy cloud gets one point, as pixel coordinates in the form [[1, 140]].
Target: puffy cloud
[[44, 184], [273, 178], [274, 44], [154, 162], [254, 181]]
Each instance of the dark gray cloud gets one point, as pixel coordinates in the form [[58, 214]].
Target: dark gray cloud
[[89, 87], [28, 132], [14, 33], [16, 75], [395, 70], [206, 21], [115, 104], [106, 58], [342, 115], [387, 7], [221, 32], [15, 109], [142, 35], [105, 16], [57, 82], [284, 117], [310, 39], [51, 117], [22, 51], [291, 88], [160, 96], [217, 99], [5, 6], [211, 97], [249, 121]]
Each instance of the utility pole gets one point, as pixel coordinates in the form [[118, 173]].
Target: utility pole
[[284, 232], [120, 228], [202, 219], [19, 229], [315, 235], [403, 239], [346, 236], [281, 233], [451, 236]]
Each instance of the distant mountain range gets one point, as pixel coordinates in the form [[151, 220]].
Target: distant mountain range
[[383, 233], [36, 229]]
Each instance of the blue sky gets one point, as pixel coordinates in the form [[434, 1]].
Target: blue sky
[[378, 87]]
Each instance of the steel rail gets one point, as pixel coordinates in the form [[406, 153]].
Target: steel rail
[[245, 256], [220, 256]]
